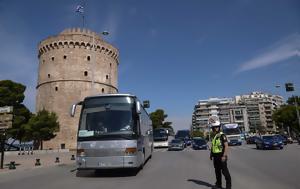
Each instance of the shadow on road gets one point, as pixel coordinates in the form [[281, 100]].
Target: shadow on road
[[107, 173], [199, 182]]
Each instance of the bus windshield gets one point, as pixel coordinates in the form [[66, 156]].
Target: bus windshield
[[107, 116]]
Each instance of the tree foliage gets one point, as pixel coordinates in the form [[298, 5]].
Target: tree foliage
[[291, 100], [286, 116], [12, 94], [197, 133], [158, 119], [42, 127]]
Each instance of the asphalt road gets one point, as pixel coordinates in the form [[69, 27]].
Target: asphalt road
[[188, 169]]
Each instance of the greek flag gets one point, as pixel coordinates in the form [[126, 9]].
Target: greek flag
[[79, 9]]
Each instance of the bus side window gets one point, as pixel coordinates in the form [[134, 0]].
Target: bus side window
[[138, 124]]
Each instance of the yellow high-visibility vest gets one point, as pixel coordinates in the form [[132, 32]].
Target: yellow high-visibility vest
[[217, 144]]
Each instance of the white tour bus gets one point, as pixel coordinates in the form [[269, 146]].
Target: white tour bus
[[114, 131]]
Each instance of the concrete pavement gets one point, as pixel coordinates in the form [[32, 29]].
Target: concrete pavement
[[250, 168], [27, 161]]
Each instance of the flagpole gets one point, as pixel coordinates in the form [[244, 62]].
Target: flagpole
[[82, 20]]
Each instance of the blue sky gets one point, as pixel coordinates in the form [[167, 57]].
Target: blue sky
[[173, 53]]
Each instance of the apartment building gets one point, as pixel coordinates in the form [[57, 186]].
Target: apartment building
[[251, 112], [224, 108], [260, 107]]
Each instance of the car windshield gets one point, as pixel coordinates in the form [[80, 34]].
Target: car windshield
[[233, 131], [199, 141], [183, 134], [176, 141], [107, 116], [268, 137]]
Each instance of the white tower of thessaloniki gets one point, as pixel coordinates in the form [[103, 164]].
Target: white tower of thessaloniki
[[69, 70]]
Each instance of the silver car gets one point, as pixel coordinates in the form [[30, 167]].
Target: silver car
[[176, 144]]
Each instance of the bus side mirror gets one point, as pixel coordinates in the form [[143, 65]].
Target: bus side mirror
[[146, 104], [73, 108]]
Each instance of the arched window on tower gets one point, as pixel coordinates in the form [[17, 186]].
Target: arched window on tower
[[88, 58], [102, 90], [52, 58], [107, 76], [48, 75], [85, 73], [65, 57], [56, 88]]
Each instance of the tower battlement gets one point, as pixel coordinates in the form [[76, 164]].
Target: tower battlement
[[78, 38]]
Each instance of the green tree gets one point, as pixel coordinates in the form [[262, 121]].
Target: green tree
[[286, 116], [291, 100], [158, 119], [12, 94], [41, 127], [197, 133]]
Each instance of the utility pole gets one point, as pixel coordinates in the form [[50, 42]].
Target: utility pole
[[289, 87]]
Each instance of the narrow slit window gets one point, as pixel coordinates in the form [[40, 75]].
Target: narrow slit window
[[85, 73], [56, 88], [52, 58], [48, 75], [88, 58], [106, 76], [102, 90]]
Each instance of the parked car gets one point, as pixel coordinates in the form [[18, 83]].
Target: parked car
[[185, 136], [269, 142], [251, 140], [199, 144], [176, 144]]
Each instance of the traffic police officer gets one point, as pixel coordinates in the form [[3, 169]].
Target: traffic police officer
[[219, 154]]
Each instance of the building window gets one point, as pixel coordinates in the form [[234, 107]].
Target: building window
[[65, 57], [88, 58], [56, 88], [110, 65], [106, 76], [102, 90], [62, 146], [52, 58], [85, 73], [48, 75]]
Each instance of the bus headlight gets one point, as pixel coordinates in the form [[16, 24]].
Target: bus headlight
[[130, 151], [80, 152]]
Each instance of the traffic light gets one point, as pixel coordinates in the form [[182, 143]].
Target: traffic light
[[289, 87]]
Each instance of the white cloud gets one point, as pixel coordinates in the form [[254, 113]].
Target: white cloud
[[282, 50]]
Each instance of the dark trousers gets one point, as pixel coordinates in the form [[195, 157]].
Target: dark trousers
[[221, 167]]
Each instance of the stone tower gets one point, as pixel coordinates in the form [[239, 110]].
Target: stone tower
[[69, 70]]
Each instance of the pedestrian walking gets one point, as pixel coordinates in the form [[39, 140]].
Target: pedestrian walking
[[219, 155]]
